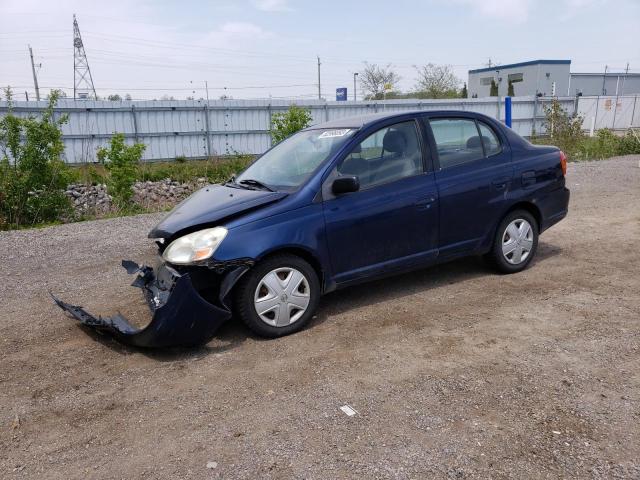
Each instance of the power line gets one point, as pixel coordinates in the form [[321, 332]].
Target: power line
[[159, 89]]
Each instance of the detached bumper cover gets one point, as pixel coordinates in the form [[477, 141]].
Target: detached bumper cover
[[181, 317]]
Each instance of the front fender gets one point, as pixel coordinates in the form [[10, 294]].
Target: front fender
[[299, 229]]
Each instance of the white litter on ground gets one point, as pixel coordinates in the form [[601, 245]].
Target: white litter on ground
[[350, 411]]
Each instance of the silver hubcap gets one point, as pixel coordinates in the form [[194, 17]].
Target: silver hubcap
[[517, 241], [282, 297]]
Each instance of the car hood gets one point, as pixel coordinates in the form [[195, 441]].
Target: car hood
[[210, 205]]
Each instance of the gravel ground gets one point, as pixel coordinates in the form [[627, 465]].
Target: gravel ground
[[455, 372]]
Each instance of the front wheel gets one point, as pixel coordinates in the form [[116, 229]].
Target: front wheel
[[515, 242], [278, 296]]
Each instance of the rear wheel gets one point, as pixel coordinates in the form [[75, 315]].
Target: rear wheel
[[278, 296], [515, 242]]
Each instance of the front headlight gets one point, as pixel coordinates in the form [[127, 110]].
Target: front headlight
[[195, 246]]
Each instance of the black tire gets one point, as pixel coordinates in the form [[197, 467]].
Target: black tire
[[496, 257], [246, 289]]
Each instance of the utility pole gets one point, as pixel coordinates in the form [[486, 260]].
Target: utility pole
[[604, 78], [498, 81], [206, 87], [35, 77], [355, 97], [319, 90], [626, 74]]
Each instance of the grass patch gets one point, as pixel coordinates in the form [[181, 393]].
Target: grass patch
[[215, 170], [604, 144], [565, 132]]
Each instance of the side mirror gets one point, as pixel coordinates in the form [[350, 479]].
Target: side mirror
[[346, 184]]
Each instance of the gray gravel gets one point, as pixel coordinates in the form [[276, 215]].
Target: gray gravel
[[455, 372]]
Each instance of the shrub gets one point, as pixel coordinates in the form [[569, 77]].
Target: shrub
[[33, 175], [121, 160], [287, 123], [463, 92], [630, 143], [564, 130], [607, 144]]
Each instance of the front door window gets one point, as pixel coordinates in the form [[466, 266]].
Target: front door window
[[385, 156]]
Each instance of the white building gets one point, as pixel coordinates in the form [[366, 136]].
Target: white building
[[527, 78], [604, 84], [549, 77]]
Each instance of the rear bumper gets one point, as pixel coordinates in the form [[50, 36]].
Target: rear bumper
[[554, 207], [181, 316]]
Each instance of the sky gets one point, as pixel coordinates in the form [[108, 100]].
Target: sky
[[269, 48]]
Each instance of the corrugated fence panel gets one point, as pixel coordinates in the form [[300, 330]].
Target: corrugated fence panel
[[197, 129], [610, 112], [606, 109]]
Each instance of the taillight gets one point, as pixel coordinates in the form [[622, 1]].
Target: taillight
[[563, 162]]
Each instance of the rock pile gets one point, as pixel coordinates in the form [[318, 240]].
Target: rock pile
[[164, 193], [94, 199], [89, 199]]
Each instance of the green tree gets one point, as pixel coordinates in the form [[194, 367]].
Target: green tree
[[33, 175], [510, 92], [287, 123], [463, 92], [114, 98], [122, 162], [493, 90]]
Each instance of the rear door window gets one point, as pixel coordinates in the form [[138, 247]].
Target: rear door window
[[457, 141]]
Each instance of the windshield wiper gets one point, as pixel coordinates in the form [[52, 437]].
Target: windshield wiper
[[256, 183], [232, 183]]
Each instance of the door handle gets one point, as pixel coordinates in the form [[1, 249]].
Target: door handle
[[500, 183], [425, 203]]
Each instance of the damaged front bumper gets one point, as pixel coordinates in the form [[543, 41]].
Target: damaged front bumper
[[181, 315]]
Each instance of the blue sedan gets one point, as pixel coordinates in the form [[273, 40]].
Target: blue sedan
[[338, 204]]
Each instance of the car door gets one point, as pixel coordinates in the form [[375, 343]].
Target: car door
[[474, 174], [391, 221]]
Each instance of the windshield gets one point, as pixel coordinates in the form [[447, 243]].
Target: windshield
[[291, 162]]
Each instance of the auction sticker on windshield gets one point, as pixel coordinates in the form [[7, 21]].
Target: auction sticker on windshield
[[334, 133]]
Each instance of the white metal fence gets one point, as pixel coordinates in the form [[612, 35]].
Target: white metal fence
[[198, 129], [616, 113]]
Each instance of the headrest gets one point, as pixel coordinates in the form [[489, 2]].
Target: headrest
[[474, 142], [394, 141], [357, 148]]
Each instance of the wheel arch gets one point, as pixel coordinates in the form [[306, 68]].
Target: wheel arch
[[303, 253], [529, 207]]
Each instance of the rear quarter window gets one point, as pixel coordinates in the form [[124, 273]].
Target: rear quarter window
[[490, 140]]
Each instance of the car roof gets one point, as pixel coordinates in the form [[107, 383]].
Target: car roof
[[360, 121]]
